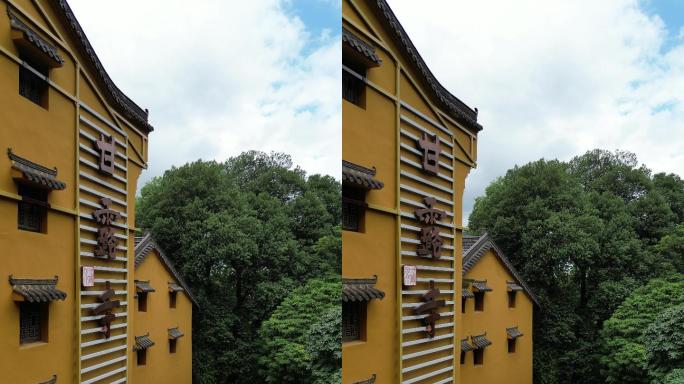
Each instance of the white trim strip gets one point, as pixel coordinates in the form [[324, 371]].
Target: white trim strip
[[426, 340], [427, 364], [104, 352], [426, 182], [103, 364], [98, 317], [93, 242], [104, 376], [430, 268], [422, 329], [415, 254], [121, 281], [98, 293], [409, 227], [121, 380], [428, 375], [100, 130], [94, 153], [102, 341], [417, 317], [94, 230], [110, 269], [422, 292], [412, 123], [101, 194], [102, 119], [90, 254], [427, 280], [97, 168], [445, 381], [425, 194], [425, 117], [102, 183], [98, 329], [414, 241], [95, 305], [413, 305], [427, 352]]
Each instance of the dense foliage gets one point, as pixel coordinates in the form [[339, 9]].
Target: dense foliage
[[245, 234], [584, 234]]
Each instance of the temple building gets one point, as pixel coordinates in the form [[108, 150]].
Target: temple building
[[496, 317], [408, 145], [73, 146]]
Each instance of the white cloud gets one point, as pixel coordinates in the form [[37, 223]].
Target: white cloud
[[220, 79], [554, 79]]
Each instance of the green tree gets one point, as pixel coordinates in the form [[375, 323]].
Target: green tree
[[286, 337], [244, 234], [664, 341], [626, 355]]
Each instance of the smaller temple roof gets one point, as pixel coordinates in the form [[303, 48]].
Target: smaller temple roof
[[143, 342], [363, 49], [481, 341], [37, 290], [481, 286], [466, 294], [360, 176], [360, 290], [144, 286], [35, 174], [513, 332], [175, 333], [38, 43], [466, 346]]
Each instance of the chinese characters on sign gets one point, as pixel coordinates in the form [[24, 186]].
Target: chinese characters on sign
[[430, 306], [409, 275], [107, 148], [430, 240], [88, 279], [430, 147], [106, 239], [105, 309]]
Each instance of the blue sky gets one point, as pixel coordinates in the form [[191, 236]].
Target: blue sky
[[672, 14], [319, 17]]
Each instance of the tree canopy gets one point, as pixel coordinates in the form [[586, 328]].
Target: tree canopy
[[584, 234], [244, 234]]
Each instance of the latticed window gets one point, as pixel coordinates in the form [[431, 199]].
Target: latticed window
[[353, 208], [31, 86], [31, 322], [353, 86], [352, 320], [32, 209]]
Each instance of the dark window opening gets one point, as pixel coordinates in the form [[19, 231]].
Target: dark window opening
[[142, 301], [353, 85], [353, 208], [31, 85], [172, 299], [172, 346], [33, 321], [32, 215], [463, 304], [353, 321], [142, 356], [479, 301], [511, 345], [511, 299], [478, 356], [463, 357]]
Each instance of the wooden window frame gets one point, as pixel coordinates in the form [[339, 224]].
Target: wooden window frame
[[142, 301], [33, 204], [173, 345], [361, 308], [41, 310], [354, 199], [478, 356], [173, 298], [479, 301], [31, 82], [512, 345], [353, 83], [512, 299], [141, 357]]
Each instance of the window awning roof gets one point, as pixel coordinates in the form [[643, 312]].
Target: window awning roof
[[360, 176], [358, 290], [35, 174], [481, 341], [481, 286], [513, 287], [143, 286], [175, 287], [466, 294], [513, 333], [466, 346], [362, 50], [30, 39], [36, 290], [175, 333], [53, 380], [142, 342]]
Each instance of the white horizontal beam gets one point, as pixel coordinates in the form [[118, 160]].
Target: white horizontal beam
[[427, 352], [427, 364], [103, 352], [102, 341], [426, 340]]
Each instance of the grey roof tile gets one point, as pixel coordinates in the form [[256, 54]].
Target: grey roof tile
[[37, 290], [143, 342], [357, 290], [360, 176]]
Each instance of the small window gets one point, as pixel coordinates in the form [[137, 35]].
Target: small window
[[33, 321], [511, 299], [478, 356], [172, 299], [172, 345], [353, 208], [479, 301], [142, 301], [353, 321], [463, 304], [31, 85], [353, 85], [32, 214], [511, 345], [142, 356], [463, 357]]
